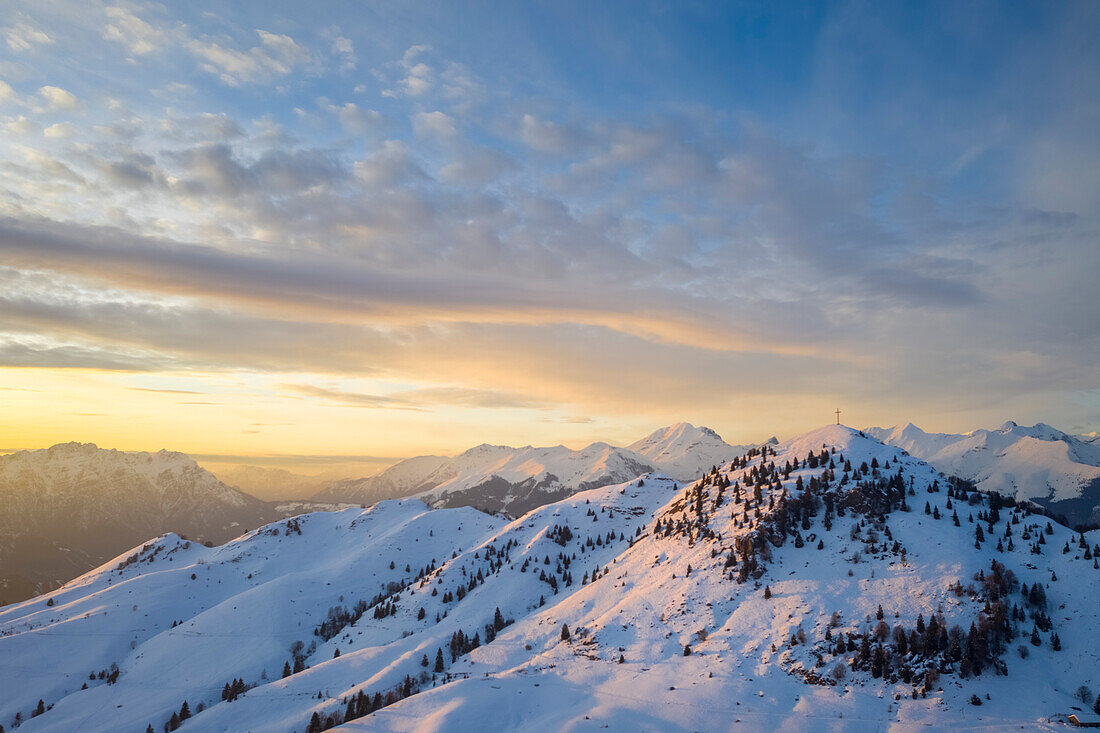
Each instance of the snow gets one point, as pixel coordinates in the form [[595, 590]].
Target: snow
[[1037, 462], [686, 452], [537, 475], [253, 597]]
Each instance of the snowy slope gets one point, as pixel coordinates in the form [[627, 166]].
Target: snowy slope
[[1038, 462], [66, 509], [515, 481], [686, 452], [645, 568]]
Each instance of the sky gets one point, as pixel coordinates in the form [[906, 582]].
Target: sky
[[337, 233]]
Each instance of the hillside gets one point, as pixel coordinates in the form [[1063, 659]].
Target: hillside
[[511, 480], [1039, 463], [66, 509], [830, 580]]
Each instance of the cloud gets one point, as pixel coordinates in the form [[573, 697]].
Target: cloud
[[138, 36], [163, 391], [418, 77], [58, 99], [20, 126], [354, 120], [41, 163], [60, 130], [277, 55], [477, 167], [468, 397], [133, 171], [72, 356], [550, 137], [436, 126], [356, 399], [24, 36], [419, 399], [345, 51], [389, 166], [205, 127]]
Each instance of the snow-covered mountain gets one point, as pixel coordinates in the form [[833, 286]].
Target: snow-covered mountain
[[66, 509], [829, 582], [686, 452], [500, 478], [514, 481], [1039, 463], [494, 478]]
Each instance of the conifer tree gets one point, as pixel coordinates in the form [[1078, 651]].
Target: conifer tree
[[767, 591], [564, 632]]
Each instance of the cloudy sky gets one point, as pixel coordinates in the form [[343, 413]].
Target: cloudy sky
[[370, 230]]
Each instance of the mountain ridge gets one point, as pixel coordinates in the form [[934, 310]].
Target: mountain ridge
[[67, 507], [1037, 463], [513, 480]]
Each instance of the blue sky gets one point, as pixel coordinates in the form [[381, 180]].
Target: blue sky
[[535, 222]]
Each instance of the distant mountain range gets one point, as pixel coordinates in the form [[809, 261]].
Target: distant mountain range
[[270, 484], [66, 509], [513, 481], [1039, 463]]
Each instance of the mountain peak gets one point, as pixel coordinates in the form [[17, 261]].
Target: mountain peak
[[684, 451]]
